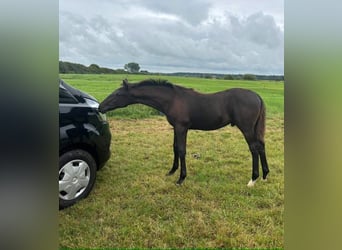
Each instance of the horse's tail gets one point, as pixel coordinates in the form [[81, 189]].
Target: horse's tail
[[261, 122]]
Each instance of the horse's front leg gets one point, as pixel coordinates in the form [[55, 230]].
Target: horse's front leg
[[180, 134], [176, 156]]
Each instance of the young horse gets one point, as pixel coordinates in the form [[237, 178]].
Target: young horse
[[187, 109]]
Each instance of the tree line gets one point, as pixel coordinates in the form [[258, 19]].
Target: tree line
[[132, 67], [248, 77], [76, 68]]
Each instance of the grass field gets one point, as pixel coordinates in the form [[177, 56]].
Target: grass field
[[134, 205]]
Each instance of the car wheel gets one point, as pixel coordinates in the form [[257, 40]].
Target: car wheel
[[77, 174]]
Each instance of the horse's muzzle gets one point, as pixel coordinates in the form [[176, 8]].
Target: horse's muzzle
[[102, 109]]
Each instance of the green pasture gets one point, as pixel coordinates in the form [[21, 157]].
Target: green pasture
[[135, 205]]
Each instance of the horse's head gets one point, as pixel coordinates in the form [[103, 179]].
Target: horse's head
[[118, 99]]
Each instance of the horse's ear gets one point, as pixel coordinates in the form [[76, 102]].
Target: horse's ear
[[125, 84]]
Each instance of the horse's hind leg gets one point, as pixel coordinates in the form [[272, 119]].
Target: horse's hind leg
[[258, 149], [254, 149], [263, 160]]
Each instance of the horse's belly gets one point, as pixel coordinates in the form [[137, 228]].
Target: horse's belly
[[209, 123]]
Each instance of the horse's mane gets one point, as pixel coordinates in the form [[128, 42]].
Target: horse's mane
[[158, 82], [153, 82]]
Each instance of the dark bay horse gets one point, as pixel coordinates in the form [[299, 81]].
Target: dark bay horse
[[187, 109]]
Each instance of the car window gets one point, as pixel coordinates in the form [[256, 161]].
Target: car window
[[65, 96]]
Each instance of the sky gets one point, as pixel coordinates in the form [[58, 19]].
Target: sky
[[204, 36]]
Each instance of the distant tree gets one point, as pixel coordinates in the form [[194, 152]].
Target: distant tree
[[120, 71], [62, 68], [67, 67], [249, 77], [228, 77], [94, 68], [132, 67], [76, 68]]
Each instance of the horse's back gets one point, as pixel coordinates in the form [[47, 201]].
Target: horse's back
[[241, 92], [243, 98]]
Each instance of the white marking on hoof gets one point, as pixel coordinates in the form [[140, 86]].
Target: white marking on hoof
[[265, 180], [251, 183]]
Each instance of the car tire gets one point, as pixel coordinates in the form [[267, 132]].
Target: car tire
[[77, 174]]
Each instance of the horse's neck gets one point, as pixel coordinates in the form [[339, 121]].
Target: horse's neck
[[158, 98]]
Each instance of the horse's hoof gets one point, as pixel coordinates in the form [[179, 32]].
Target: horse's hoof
[[170, 173], [265, 180], [251, 183], [179, 182]]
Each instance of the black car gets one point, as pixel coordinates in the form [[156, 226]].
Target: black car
[[84, 143]]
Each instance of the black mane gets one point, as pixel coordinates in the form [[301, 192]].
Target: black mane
[[154, 82], [158, 82]]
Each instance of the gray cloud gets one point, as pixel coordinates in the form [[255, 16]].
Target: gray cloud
[[192, 12], [172, 36]]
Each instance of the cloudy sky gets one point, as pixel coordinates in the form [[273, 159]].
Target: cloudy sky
[[213, 36]]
